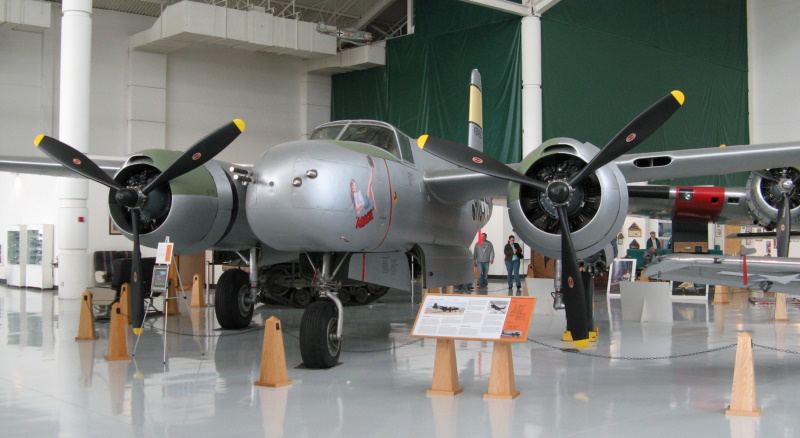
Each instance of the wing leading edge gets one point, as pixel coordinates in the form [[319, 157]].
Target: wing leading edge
[[46, 166]]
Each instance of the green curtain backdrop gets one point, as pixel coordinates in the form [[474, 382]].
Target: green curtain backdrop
[[603, 62], [424, 88]]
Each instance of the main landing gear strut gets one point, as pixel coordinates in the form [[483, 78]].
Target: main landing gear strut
[[322, 323]]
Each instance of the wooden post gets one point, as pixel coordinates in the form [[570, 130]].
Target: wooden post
[[525, 292], [172, 295], [117, 340], [501, 381], [125, 302], [86, 330], [780, 308], [198, 300], [721, 294], [445, 372], [743, 393], [273, 357]]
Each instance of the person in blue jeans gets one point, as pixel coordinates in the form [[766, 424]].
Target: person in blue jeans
[[513, 253], [483, 255]]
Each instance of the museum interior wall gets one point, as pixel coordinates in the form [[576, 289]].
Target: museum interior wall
[[205, 87]]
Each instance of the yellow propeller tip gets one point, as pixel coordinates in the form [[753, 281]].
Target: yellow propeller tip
[[239, 124], [38, 139], [678, 95], [421, 141], [583, 343], [138, 331]]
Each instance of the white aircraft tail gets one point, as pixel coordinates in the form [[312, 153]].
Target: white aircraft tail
[[475, 135]]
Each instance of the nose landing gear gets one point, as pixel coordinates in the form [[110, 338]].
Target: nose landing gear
[[322, 323]]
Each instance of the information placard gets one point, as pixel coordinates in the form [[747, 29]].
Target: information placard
[[474, 317]]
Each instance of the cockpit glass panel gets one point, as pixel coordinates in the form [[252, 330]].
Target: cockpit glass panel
[[379, 136], [327, 133]]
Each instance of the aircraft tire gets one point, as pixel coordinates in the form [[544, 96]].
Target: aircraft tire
[[302, 297], [229, 306], [316, 347], [361, 295]]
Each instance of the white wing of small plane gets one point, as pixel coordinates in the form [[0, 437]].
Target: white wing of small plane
[[765, 273]]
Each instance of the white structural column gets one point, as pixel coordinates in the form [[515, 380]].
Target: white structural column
[[531, 58], [73, 129]]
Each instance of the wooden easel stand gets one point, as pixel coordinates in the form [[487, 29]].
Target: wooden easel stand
[[445, 372]]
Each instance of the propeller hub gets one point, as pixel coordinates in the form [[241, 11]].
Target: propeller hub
[[559, 192], [786, 185], [131, 197]]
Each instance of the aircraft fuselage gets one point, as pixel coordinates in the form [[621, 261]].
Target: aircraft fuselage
[[350, 196]]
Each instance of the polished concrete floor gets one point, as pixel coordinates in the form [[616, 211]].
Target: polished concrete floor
[[634, 381]]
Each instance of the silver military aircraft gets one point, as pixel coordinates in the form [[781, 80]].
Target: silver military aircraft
[[350, 211]]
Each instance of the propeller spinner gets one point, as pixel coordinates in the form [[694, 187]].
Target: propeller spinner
[[559, 191], [135, 197]]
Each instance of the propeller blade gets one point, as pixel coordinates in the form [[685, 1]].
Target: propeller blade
[[637, 131], [765, 175], [137, 295], [74, 160], [475, 160], [201, 152], [572, 286], [784, 226]]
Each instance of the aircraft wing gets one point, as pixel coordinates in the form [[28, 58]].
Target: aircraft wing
[[46, 166], [766, 273], [461, 185], [709, 161]]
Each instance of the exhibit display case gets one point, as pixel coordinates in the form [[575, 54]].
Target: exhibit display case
[[39, 258], [17, 255]]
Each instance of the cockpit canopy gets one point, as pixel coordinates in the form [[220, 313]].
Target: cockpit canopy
[[380, 134]]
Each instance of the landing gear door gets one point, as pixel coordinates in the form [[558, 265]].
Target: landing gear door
[[384, 269]]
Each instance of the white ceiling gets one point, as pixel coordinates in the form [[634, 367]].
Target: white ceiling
[[384, 18]]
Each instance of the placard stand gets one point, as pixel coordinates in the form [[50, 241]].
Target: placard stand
[[501, 381], [445, 372]]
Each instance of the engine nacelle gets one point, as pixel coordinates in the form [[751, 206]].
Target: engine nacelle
[[597, 207], [763, 197], [200, 210]]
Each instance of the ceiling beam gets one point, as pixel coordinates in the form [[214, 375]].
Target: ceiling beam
[[541, 6], [372, 14]]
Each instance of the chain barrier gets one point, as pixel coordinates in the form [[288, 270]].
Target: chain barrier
[[603, 356], [781, 350], [577, 351]]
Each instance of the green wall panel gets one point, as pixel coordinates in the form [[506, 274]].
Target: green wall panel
[[606, 61]]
